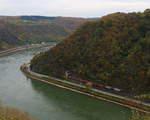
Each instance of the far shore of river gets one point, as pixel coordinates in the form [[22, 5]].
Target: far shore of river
[[13, 50]]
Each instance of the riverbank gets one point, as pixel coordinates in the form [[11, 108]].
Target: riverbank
[[120, 100], [12, 50]]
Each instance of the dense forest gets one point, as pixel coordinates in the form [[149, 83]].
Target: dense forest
[[20, 30], [114, 50]]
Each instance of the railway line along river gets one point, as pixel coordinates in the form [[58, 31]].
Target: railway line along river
[[46, 102]]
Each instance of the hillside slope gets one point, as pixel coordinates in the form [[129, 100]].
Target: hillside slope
[[114, 50], [35, 29]]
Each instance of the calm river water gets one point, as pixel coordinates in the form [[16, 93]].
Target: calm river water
[[46, 102]]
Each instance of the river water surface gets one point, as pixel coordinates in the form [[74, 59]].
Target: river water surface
[[46, 102]]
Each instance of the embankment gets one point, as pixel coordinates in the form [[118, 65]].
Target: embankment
[[120, 100]]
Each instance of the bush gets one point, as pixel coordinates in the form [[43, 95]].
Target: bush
[[7, 113]]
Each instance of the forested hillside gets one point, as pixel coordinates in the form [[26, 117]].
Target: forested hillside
[[114, 50], [35, 29]]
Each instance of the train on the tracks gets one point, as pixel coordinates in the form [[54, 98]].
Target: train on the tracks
[[72, 76]]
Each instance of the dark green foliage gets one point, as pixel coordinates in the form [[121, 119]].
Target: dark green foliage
[[114, 50], [6, 36]]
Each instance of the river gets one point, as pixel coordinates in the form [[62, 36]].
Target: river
[[46, 102]]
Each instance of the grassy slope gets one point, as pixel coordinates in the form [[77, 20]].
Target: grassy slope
[[7, 113]]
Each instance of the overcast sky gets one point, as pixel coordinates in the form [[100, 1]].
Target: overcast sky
[[74, 8]]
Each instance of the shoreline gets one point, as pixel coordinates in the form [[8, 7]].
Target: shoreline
[[13, 50], [128, 103]]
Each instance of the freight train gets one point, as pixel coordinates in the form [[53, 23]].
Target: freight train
[[77, 78]]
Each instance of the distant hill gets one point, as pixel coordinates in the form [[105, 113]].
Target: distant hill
[[19, 30], [113, 50], [37, 18]]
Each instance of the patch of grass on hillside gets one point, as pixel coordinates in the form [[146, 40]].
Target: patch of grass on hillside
[[7, 113], [139, 116], [143, 96]]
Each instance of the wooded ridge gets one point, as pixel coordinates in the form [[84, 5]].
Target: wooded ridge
[[113, 50]]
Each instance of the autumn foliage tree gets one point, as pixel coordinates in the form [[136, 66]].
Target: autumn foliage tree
[[114, 50]]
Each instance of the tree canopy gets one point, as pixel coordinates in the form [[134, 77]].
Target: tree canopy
[[114, 50]]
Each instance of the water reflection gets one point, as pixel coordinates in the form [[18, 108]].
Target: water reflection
[[45, 102], [83, 107]]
